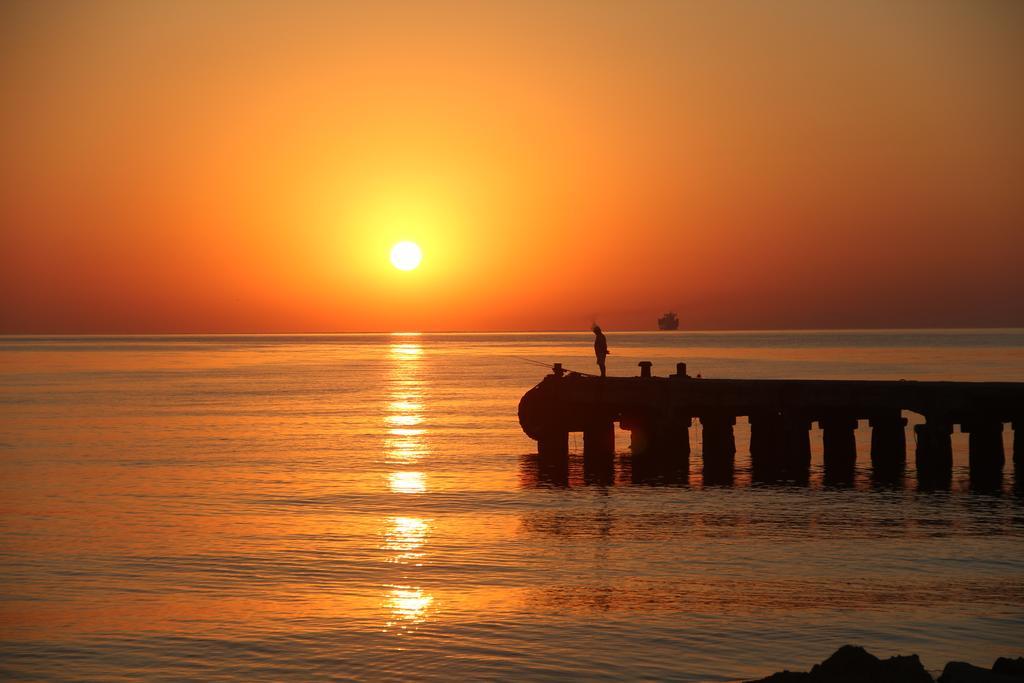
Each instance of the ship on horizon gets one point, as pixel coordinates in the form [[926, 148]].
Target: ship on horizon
[[669, 321]]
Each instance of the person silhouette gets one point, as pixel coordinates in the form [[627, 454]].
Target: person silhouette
[[600, 348]]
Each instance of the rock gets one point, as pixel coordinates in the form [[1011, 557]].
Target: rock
[[846, 661], [1009, 667], [850, 664], [907, 668], [962, 672]]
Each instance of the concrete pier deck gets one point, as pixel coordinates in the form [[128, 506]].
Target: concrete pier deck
[[658, 412]]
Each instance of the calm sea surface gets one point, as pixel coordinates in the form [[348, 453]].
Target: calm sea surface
[[367, 507]]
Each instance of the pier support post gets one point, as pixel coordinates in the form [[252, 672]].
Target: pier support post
[[888, 442], [765, 445], [599, 439], [679, 435], [598, 469], [665, 458], [797, 444], [765, 435], [934, 452], [840, 444], [659, 435], [553, 444], [985, 449], [1018, 444], [780, 444], [719, 444]]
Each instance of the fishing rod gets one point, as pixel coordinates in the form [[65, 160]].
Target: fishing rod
[[551, 366], [534, 362]]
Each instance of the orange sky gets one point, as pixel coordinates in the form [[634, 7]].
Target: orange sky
[[245, 166]]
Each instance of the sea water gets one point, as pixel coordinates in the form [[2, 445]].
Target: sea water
[[367, 507]]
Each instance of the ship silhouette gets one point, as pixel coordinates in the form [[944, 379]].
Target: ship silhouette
[[669, 321]]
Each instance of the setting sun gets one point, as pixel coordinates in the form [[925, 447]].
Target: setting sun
[[406, 256]]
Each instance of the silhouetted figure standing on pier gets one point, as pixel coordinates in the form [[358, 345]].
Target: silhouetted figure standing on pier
[[600, 348]]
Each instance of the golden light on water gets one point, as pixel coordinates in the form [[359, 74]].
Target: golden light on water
[[405, 537], [407, 482], [404, 443], [404, 448], [404, 421], [406, 349], [408, 604], [404, 406]]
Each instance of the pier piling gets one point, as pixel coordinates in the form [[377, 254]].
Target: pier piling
[[839, 442], [934, 452], [779, 445], [797, 444], [658, 434], [1018, 445], [888, 442], [765, 437], [985, 446], [599, 438], [718, 441], [553, 444]]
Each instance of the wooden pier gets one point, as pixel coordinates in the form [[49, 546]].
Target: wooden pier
[[659, 411]]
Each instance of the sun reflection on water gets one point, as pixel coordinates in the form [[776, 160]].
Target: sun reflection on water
[[404, 407], [403, 410], [407, 349], [407, 605], [405, 537], [404, 449], [407, 482], [404, 421]]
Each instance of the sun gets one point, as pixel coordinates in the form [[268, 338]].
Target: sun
[[406, 255]]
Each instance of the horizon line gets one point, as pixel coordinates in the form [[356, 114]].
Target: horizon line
[[529, 331]]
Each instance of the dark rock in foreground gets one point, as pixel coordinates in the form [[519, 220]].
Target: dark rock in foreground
[[850, 664], [1009, 667], [1003, 671]]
